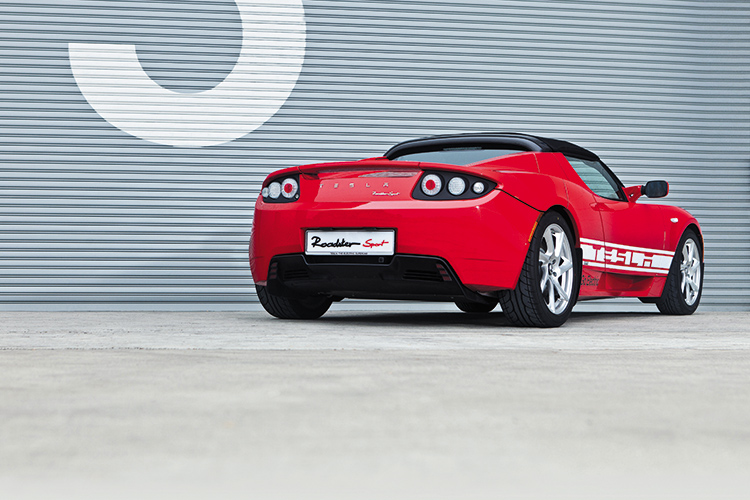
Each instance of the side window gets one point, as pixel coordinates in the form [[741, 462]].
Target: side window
[[596, 177]]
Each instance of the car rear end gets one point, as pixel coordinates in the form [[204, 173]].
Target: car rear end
[[388, 229]]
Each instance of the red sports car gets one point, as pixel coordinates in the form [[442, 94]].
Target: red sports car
[[535, 224]]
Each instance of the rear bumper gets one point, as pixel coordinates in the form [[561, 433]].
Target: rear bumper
[[401, 277], [484, 242]]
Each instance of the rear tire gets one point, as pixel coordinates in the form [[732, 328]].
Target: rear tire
[[550, 278], [292, 308], [476, 307], [684, 286]]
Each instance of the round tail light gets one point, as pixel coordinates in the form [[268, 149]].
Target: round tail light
[[289, 188], [274, 190], [431, 185], [457, 186]]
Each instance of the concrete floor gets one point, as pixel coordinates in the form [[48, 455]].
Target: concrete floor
[[373, 405]]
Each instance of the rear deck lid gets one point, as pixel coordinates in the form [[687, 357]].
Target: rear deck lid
[[361, 181]]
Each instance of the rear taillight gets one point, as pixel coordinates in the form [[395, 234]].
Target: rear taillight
[[431, 184], [451, 186], [289, 188], [456, 186], [283, 190]]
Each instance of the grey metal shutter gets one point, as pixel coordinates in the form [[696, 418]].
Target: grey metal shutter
[[95, 218]]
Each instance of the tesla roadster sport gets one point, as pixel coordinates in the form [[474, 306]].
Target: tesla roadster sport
[[533, 224]]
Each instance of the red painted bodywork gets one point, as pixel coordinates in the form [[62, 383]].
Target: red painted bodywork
[[485, 240]]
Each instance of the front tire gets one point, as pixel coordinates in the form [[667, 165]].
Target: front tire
[[550, 278], [684, 286], [292, 308]]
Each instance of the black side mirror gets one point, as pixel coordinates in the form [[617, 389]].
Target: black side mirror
[[655, 189]]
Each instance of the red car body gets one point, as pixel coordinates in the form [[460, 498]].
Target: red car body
[[623, 247]]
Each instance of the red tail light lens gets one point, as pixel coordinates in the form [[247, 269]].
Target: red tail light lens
[[431, 184], [289, 188]]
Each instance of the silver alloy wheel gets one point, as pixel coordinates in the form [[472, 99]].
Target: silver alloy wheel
[[556, 263], [690, 272]]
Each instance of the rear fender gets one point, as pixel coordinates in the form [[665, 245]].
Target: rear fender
[[541, 188]]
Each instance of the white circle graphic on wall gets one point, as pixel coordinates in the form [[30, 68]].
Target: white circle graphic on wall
[[112, 80]]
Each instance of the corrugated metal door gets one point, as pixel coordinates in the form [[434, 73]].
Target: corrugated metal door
[[95, 217]]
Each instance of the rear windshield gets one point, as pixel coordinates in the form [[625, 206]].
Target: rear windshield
[[456, 156]]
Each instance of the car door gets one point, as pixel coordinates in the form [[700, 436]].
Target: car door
[[634, 236]]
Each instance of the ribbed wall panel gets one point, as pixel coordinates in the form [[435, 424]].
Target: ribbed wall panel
[[93, 217]]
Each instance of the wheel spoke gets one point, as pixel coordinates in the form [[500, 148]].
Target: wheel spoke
[[559, 241], [566, 266], [543, 257], [545, 277], [549, 242], [551, 301], [560, 290]]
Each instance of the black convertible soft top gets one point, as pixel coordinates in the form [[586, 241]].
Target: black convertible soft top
[[490, 140]]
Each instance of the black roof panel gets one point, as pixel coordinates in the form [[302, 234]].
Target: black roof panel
[[494, 140]]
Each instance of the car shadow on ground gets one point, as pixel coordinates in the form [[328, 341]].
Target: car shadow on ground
[[458, 318]]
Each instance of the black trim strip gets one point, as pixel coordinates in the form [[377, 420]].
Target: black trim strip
[[493, 140]]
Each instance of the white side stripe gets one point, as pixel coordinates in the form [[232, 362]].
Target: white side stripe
[[606, 255], [626, 247]]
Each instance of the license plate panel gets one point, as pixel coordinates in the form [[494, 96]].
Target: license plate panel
[[350, 242]]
